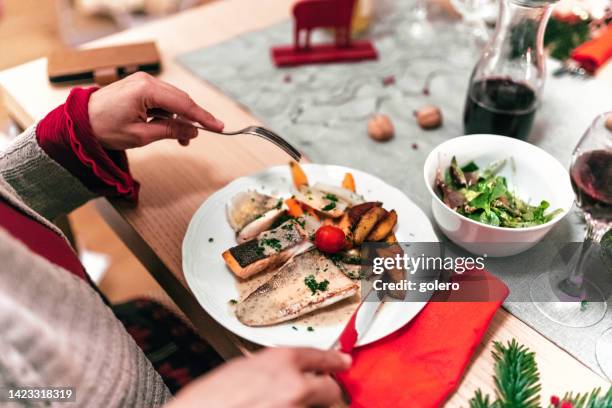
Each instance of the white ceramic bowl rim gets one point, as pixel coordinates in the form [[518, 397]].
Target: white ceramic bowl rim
[[504, 138]]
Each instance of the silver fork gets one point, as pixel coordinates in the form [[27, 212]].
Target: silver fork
[[250, 130]]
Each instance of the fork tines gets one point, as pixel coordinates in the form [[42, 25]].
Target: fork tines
[[279, 141]]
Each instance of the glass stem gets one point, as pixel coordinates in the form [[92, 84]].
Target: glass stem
[[574, 283]]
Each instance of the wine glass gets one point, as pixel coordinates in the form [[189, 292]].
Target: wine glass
[[603, 351], [603, 348], [574, 300]]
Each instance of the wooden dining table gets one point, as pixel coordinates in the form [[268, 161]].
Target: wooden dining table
[[177, 180]]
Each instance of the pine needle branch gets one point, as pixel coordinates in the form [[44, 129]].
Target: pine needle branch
[[517, 383], [594, 399], [517, 380], [480, 401], [516, 376]]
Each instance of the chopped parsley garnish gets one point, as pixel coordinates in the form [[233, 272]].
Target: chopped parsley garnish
[[211, 239], [270, 242], [353, 275], [315, 286], [329, 206], [294, 328], [310, 329], [281, 220], [335, 258], [233, 301], [279, 204], [331, 197]]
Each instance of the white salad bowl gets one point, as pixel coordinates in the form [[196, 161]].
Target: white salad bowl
[[532, 174]]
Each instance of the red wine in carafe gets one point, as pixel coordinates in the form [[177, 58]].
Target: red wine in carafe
[[500, 106], [591, 176]]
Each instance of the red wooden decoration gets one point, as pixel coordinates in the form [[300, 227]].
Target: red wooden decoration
[[312, 14]]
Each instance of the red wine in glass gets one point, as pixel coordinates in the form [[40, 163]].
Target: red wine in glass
[[500, 106], [591, 176], [566, 295]]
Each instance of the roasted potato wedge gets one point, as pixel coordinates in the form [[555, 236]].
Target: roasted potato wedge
[[367, 223], [345, 225], [358, 211], [391, 238], [384, 227]]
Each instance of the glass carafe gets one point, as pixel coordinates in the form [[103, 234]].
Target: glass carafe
[[506, 84]]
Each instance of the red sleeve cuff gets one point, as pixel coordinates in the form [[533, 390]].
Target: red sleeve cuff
[[65, 134]]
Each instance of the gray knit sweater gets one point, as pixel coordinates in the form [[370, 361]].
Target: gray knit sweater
[[55, 330]]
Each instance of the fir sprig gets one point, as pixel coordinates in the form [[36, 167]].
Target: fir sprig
[[593, 399], [517, 383], [516, 376], [481, 401]]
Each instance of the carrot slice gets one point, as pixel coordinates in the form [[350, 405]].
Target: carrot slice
[[295, 209], [349, 182], [298, 175]]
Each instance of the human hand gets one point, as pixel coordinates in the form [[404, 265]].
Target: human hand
[[272, 378], [118, 113]]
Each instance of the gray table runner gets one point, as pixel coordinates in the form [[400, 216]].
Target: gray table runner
[[323, 110]]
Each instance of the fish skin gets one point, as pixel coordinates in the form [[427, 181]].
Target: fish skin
[[285, 296], [254, 256], [273, 261]]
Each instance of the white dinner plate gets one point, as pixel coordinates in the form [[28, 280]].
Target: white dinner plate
[[212, 283]]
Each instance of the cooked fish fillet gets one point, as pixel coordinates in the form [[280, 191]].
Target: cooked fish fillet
[[248, 206], [270, 248], [259, 225], [322, 201], [286, 296]]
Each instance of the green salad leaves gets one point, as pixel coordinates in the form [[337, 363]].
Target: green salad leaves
[[483, 196]]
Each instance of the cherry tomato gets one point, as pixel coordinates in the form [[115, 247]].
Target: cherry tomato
[[329, 239]]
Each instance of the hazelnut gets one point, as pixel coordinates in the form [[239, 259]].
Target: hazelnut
[[428, 117], [608, 122], [380, 128]]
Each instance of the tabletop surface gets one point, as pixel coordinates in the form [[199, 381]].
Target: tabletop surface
[[176, 180]]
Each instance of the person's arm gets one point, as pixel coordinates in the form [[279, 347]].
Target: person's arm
[[271, 378], [43, 184], [77, 151]]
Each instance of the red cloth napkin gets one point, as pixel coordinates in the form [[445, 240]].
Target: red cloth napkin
[[422, 363], [594, 53]]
